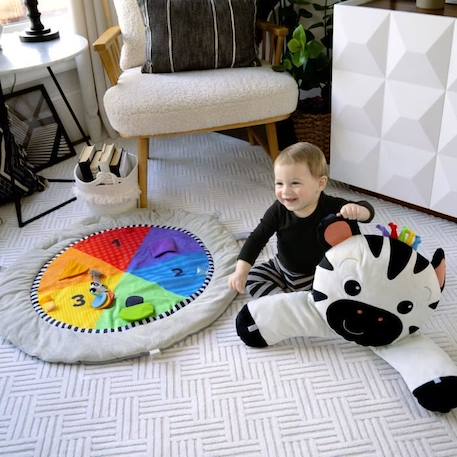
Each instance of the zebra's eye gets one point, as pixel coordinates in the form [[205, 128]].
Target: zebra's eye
[[352, 287], [404, 307]]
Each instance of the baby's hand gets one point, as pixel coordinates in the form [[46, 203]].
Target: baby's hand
[[237, 282], [354, 212]]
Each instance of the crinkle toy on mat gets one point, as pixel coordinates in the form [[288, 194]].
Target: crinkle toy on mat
[[374, 290]]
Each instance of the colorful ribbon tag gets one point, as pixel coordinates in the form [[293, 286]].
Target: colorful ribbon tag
[[406, 235]]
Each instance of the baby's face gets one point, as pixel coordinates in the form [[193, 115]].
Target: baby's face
[[297, 189]]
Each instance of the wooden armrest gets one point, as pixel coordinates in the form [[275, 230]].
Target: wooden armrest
[[273, 36], [278, 30], [107, 46]]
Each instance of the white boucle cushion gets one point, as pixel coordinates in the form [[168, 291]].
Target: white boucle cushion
[[133, 33], [151, 104]]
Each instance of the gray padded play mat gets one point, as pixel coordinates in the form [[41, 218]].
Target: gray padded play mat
[[118, 287]]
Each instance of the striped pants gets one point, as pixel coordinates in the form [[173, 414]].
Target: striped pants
[[272, 278]]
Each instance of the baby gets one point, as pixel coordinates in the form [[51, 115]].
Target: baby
[[301, 175]]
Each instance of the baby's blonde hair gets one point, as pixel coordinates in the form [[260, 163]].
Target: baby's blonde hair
[[306, 153]]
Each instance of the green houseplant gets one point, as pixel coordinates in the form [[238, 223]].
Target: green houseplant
[[308, 60], [309, 45]]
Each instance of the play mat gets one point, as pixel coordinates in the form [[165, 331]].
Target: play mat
[[118, 287]]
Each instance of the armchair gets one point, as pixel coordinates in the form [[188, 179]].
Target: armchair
[[162, 104]]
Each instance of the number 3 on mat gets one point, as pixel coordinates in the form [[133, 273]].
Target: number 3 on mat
[[79, 300]]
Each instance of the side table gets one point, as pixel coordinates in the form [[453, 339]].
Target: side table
[[17, 56]]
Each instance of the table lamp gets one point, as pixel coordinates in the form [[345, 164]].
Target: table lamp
[[37, 32]]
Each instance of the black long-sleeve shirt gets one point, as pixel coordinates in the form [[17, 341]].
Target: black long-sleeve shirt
[[299, 249]]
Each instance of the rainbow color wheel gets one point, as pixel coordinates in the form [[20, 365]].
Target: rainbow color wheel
[[162, 266]]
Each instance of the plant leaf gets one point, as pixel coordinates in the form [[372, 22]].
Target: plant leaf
[[298, 59], [294, 45], [315, 48], [299, 34]]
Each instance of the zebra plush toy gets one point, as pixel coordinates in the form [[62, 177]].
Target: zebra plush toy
[[375, 291]]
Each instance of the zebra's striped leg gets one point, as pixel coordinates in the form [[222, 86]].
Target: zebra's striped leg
[[268, 320]]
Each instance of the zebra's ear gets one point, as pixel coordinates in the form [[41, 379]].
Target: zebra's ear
[[334, 229], [439, 264]]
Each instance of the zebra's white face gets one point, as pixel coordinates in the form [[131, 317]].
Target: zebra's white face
[[373, 290]]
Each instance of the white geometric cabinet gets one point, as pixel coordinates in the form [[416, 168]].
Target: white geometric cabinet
[[394, 104]]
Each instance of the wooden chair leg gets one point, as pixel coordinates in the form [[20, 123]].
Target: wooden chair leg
[[251, 136], [272, 140], [143, 155]]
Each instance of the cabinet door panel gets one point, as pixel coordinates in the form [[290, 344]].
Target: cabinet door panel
[[405, 173], [360, 40], [355, 158], [419, 49], [394, 104]]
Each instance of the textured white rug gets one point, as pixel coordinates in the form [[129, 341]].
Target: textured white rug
[[210, 395]]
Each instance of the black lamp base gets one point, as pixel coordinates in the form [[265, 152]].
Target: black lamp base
[[30, 36]]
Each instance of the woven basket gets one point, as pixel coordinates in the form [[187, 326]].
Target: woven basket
[[313, 128]]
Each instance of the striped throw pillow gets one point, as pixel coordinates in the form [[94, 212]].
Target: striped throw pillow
[[198, 34]]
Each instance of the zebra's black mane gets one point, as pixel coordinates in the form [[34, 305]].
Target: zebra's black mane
[[400, 253]]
